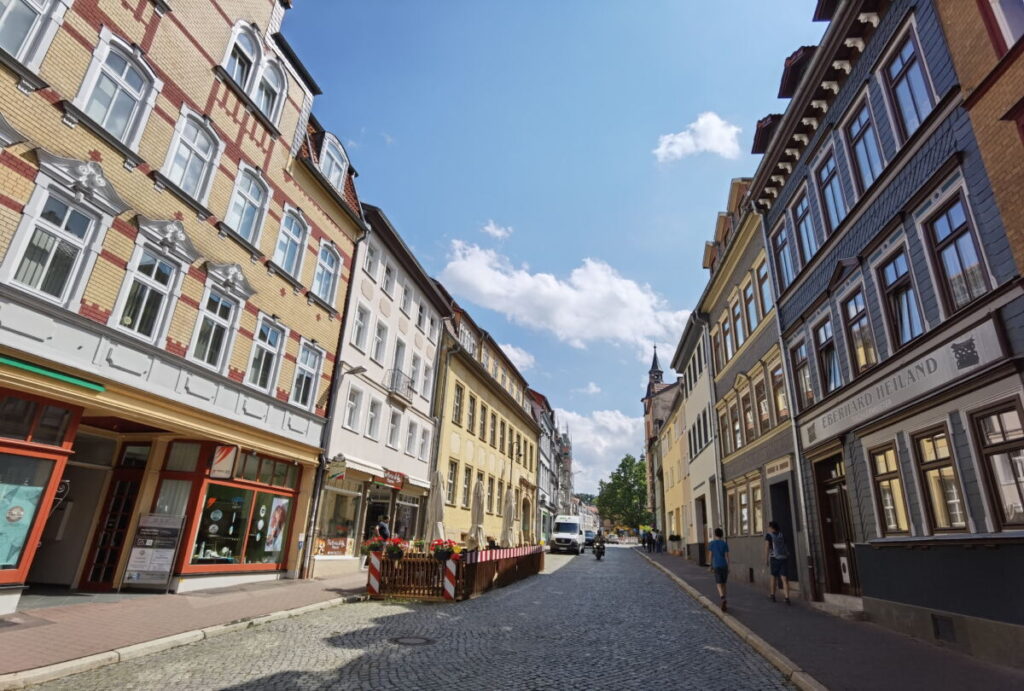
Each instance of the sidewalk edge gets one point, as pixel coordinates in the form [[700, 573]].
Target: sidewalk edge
[[58, 670], [796, 676]]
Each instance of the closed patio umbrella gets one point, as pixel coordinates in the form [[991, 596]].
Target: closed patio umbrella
[[508, 522], [435, 509], [476, 538]]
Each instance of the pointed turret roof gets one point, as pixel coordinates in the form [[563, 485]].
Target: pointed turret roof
[[655, 367]]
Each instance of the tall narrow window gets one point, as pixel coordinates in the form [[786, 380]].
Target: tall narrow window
[[421, 316], [453, 473], [831, 192], [192, 157], [248, 203], [216, 322], [737, 320], [427, 388], [371, 261], [457, 404], [783, 261], [901, 302], [828, 360], [867, 156], [270, 92], [360, 327], [723, 430], [750, 305], [1008, 18], [414, 375], [907, 84], [802, 376], [380, 341], [735, 427], [424, 444], [806, 239], [19, 20], [471, 414], [889, 488], [373, 413], [749, 430], [716, 348], [307, 372], [962, 273], [333, 164], [483, 421], [148, 297], [406, 302], [467, 481], [858, 331], [395, 428], [412, 433], [267, 345], [494, 429], [1001, 437], [325, 281], [764, 418], [490, 495], [726, 330], [117, 98], [288, 254], [388, 283], [50, 262], [501, 436], [764, 288], [243, 57], [941, 485]]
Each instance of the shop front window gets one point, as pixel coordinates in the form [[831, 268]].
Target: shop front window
[[338, 516], [28, 420], [23, 482], [268, 529], [406, 516], [225, 514]]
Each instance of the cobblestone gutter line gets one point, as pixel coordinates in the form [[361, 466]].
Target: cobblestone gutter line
[[38, 675], [799, 678]]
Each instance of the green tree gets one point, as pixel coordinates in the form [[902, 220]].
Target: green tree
[[623, 497]]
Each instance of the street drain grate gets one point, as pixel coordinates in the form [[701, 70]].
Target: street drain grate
[[411, 640]]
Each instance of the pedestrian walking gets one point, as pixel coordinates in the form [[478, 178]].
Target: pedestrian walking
[[383, 531], [777, 554], [719, 550]]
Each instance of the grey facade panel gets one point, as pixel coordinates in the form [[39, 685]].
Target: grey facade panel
[[741, 463], [753, 351]]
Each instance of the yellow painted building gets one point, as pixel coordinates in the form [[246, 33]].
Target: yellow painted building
[[676, 474], [176, 235], [487, 432]]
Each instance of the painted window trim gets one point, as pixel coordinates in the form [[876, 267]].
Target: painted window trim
[[345, 165], [888, 320], [357, 423], [229, 344], [41, 35], [266, 59], [329, 246], [843, 126], [908, 30], [107, 42], [366, 428], [361, 347], [275, 375], [203, 193], [303, 241], [314, 393], [244, 167]]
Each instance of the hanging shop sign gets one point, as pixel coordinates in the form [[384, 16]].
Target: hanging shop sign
[[151, 562], [391, 479], [223, 463]]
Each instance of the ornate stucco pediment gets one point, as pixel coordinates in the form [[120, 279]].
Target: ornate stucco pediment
[[231, 279], [85, 179], [9, 135], [170, 235]]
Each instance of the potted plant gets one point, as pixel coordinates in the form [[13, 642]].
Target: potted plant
[[395, 548], [419, 546], [443, 550], [374, 544]]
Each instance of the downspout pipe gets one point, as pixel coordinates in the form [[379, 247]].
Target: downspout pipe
[[328, 431], [790, 395]]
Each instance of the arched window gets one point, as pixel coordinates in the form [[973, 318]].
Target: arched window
[[243, 58], [325, 282], [193, 156], [118, 94], [270, 91], [248, 205], [333, 163], [288, 254], [28, 26]]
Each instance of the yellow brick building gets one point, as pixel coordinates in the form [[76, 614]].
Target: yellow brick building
[[676, 474], [176, 234], [487, 432]]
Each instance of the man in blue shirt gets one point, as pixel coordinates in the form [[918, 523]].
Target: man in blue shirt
[[719, 550]]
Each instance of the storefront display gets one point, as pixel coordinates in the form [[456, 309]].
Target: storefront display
[[407, 511], [22, 484], [339, 513], [225, 515]]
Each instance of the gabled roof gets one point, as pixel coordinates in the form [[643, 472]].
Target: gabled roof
[[794, 68], [763, 133]]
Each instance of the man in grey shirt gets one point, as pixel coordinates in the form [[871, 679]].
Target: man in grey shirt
[[776, 553]]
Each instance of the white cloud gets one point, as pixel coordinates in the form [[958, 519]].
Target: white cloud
[[519, 357], [590, 389], [496, 231], [708, 133], [594, 303], [599, 441]]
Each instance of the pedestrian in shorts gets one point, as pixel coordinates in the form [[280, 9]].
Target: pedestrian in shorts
[[777, 553], [719, 550]]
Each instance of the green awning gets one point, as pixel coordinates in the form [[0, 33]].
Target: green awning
[[52, 374]]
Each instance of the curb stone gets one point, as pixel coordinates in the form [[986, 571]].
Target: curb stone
[[796, 676], [38, 675]]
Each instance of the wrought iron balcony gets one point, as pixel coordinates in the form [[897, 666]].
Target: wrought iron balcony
[[399, 384]]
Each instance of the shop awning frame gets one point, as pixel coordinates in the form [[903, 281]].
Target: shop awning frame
[[51, 373]]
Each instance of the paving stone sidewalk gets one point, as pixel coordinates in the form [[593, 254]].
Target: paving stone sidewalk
[[50, 635], [845, 654]]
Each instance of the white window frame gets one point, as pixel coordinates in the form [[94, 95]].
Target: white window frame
[[406, 304], [278, 355], [337, 160], [261, 214], [303, 240], [327, 247], [40, 35], [300, 368], [415, 371], [394, 429], [230, 325], [432, 332], [373, 421], [355, 412], [359, 341], [380, 341], [424, 448], [271, 65], [201, 195], [411, 438], [421, 316], [388, 285], [242, 27], [265, 61], [427, 389], [371, 261], [107, 42]]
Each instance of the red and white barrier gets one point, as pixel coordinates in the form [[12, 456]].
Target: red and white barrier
[[449, 580], [373, 582]]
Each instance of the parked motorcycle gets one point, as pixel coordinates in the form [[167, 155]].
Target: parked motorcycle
[[598, 550]]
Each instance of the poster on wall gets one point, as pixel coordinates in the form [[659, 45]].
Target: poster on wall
[[275, 528], [151, 562], [17, 509], [223, 463]]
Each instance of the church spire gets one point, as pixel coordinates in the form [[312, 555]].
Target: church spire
[[655, 372]]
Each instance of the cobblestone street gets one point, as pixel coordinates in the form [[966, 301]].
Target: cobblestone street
[[614, 624]]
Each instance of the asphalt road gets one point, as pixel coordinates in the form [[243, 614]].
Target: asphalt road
[[582, 624]]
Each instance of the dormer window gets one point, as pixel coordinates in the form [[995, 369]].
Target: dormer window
[[269, 94], [333, 164], [254, 73], [243, 58]]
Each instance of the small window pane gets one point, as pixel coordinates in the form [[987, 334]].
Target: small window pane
[[183, 456], [16, 416]]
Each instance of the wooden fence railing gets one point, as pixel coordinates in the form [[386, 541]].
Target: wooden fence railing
[[421, 576]]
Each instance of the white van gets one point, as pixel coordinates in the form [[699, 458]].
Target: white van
[[567, 535]]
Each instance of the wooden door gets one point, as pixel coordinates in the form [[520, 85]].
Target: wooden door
[[837, 528]]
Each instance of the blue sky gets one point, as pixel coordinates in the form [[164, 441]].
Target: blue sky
[[538, 122]]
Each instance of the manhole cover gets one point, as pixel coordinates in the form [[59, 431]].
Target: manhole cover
[[411, 640]]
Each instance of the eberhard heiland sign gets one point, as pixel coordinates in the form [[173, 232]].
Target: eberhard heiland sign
[[955, 358]]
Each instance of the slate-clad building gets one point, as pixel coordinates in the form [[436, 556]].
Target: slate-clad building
[[900, 311]]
